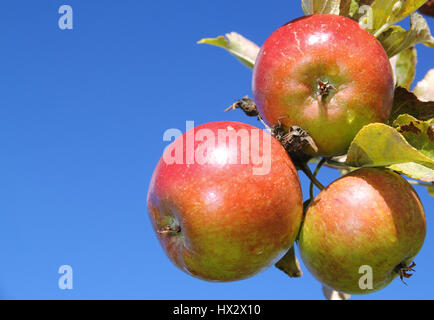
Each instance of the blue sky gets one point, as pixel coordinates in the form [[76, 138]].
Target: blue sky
[[82, 115]]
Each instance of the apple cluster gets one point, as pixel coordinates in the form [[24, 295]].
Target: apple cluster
[[220, 220]]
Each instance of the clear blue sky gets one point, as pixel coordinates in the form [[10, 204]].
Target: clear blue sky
[[82, 114]]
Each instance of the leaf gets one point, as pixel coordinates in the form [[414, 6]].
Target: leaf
[[404, 67], [331, 294], [406, 102], [396, 39], [361, 9], [379, 145], [290, 264], [243, 49], [388, 13], [414, 171], [431, 190], [320, 6], [424, 90], [356, 9], [408, 149], [420, 134]]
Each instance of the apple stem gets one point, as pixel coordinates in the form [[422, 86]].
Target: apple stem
[[269, 130], [315, 173], [305, 168], [381, 30], [337, 165]]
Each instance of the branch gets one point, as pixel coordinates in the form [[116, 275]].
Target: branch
[[337, 164], [318, 167], [308, 173]]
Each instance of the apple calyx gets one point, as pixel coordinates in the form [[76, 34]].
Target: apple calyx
[[323, 89], [170, 230], [294, 140], [404, 271]]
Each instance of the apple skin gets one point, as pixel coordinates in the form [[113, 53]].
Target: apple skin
[[233, 224], [330, 48], [369, 217], [428, 8]]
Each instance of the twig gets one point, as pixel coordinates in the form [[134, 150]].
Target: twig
[[315, 173], [337, 164], [269, 130], [381, 30], [308, 173]]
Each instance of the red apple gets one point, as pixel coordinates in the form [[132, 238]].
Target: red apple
[[222, 214], [327, 75], [368, 220], [428, 8]]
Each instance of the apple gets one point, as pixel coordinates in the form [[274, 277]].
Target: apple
[[428, 8], [219, 211], [370, 220], [327, 75]]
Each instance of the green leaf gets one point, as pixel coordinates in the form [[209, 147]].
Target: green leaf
[[354, 8], [407, 102], [331, 294], [320, 6], [290, 264], [396, 39], [379, 145], [357, 8], [404, 67], [243, 49], [414, 171], [431, 190], [390, 12], [424, 89], [420, 134]]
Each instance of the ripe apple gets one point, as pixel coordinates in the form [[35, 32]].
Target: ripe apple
[[370, 217], [327, 75], [219, 219], [428, 8]]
